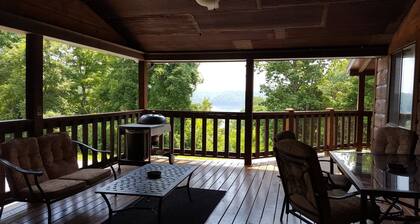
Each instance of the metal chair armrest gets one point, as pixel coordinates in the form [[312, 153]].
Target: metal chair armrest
[[83, 146], [13, 167], [344, 196]]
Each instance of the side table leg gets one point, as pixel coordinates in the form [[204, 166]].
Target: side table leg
[[160, 210], [109, 207], [363, 207], [188, 187]]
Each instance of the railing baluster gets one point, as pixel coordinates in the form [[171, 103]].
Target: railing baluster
[[238, 138], [368, 130], [275, 128], [227, 146], [94, 141], [204, 137], [318, 134], [304, 129], [311, 129], [342, 135], [112, 138], [266, 136], [2, 137], [182, 137], [85, 133], [103, 138], [50, 130], [284, 123], [257, 138], [215, 129], [121, 146], [63, 128], [326, 132], [193, 136], [349, 131], [171, 135], [355, 130]]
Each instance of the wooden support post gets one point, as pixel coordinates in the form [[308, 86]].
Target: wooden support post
[[360, 112], [248, 110], [290, 123], [330, 130], [34, 83], [143, 83]]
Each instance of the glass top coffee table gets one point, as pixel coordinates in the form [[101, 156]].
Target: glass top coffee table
[[136, 183]]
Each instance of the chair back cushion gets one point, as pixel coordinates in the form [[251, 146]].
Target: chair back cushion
[[302, 178], [58, 154], [25, 154], [394, 140]]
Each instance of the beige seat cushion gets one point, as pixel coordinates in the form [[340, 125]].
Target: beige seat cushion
[[91, 176], [55, 188], [394, 140], [58, 154], [341, 181], [25, 154]]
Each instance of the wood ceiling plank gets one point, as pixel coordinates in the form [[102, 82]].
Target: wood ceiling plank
[[262, 19], [71, 14], [105, 12]]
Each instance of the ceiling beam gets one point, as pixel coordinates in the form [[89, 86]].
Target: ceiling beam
[[109, 17], [33, 26], [289, 53]]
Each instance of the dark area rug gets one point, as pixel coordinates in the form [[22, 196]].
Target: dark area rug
[[176, 208]]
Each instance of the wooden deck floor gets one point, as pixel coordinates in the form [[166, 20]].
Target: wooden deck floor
[[254, 195]]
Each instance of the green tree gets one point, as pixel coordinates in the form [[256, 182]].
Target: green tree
[[258, 104], [12, 76], [205, 105], [171, 85], [293, 83]]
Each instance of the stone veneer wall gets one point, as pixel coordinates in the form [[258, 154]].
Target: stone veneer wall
[[381, 94], [408, 32]]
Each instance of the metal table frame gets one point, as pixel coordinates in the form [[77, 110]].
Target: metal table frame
[[143, 196], [372, 194]]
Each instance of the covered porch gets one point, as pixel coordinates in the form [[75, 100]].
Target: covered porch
[[161, 32]]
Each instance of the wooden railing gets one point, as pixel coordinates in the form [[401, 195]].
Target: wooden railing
[[195, 133], [208, 134], [215, 134], [97, 130]]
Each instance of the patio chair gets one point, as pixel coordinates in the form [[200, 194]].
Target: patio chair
[[395, 140], [334, 181], [306, 188]]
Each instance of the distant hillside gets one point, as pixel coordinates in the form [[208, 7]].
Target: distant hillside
[[222, 100]]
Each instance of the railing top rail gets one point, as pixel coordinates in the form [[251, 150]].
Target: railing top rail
[[92, 116], [13, 124]]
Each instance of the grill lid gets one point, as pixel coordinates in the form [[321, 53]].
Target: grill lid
[[152, 119]]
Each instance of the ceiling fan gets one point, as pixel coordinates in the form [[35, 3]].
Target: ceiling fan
[[210, 4]]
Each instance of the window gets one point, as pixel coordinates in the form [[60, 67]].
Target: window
[[402, 87]]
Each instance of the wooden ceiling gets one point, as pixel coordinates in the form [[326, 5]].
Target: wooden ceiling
[[183, 25]]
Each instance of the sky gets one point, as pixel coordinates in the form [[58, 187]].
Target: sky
[[222, 76]]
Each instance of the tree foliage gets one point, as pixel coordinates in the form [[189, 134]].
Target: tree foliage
[[311, 85], [293, 83], [171, 85]]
